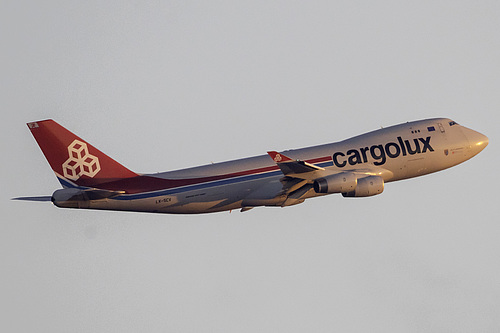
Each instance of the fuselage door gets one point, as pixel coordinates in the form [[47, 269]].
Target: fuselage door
[[441, 128]]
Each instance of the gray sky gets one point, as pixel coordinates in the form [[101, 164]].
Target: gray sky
[[171, 84]]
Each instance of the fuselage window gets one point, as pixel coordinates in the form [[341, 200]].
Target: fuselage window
[[452, 123]]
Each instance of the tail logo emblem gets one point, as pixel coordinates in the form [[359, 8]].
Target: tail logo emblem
[[80, 162]]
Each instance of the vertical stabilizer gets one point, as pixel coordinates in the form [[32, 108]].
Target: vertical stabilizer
[[75, 161]]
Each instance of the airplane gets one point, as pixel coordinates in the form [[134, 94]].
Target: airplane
[[356, 167]]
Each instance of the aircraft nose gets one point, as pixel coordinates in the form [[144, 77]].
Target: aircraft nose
[[476, 140]]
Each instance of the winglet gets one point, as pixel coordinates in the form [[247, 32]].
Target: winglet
[[289, 166], [278, 158]]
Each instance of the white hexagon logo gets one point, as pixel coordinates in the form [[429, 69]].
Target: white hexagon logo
[[80, 162]]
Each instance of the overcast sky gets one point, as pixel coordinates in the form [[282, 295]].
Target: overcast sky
[[164, 85]]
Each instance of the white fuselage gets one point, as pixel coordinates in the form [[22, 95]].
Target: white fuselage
[[393, 153]]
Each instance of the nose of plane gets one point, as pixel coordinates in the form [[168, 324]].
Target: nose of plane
[[476, 140]]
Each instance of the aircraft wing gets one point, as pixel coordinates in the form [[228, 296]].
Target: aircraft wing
[[298, 177]]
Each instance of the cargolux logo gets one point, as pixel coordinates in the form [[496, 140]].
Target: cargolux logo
[[80, 162], [379, 153]]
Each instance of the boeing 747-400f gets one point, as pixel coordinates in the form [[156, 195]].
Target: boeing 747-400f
[[356, 167]]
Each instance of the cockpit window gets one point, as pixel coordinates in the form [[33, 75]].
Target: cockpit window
[[453, 123]]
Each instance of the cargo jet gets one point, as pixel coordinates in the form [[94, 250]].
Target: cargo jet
[[356, 167]]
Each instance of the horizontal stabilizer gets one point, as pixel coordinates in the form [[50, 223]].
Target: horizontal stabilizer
[[74, 194], [97, 194], [41, 198]]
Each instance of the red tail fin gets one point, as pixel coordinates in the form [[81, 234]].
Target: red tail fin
[[75, 161]]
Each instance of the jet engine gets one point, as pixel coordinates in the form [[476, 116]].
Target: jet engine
[[367, 186], [338, 183]]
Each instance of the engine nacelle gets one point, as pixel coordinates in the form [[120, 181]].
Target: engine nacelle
[[367, 186], [70, 198], [338, 183]]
